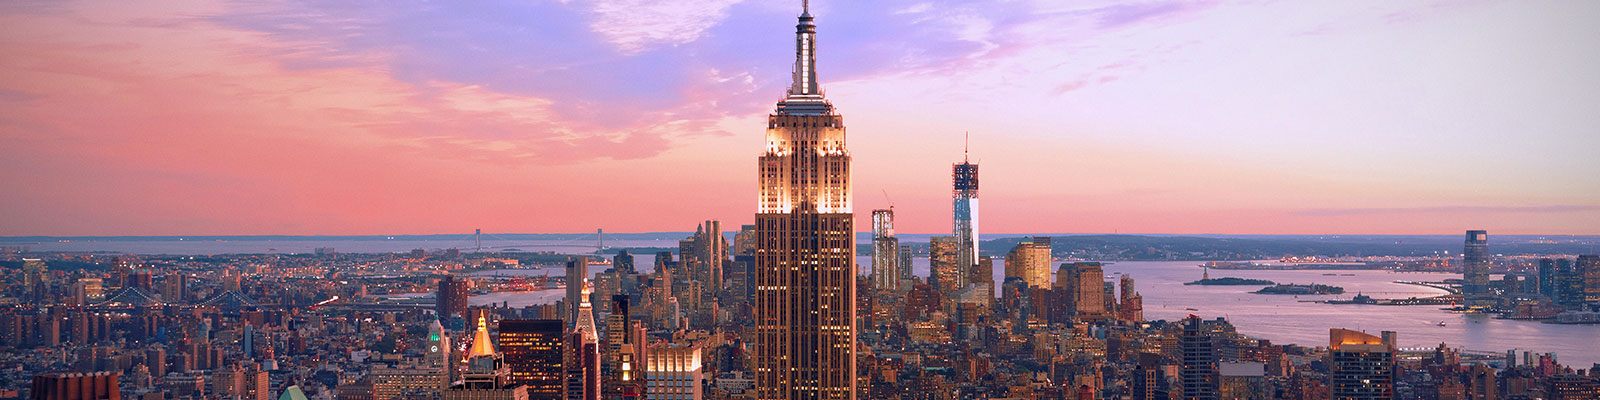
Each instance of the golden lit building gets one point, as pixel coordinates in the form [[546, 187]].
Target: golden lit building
[[804, 272], [1030, 260], [673, 373]]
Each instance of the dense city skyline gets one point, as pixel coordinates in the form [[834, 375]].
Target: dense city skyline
[[287, 118]]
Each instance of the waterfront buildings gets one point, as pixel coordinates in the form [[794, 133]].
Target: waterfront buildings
[[1475, 269], [805, 304], [1588, 267], [1362, 366], [885, 251]]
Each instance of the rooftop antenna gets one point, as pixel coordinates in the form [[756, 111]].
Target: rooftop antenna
[[966, 147], [805, 6]]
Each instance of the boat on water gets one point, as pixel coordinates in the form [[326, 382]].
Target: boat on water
[[1441, 323], [1191, 309]]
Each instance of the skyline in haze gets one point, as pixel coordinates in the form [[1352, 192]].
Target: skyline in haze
[[309, 118]]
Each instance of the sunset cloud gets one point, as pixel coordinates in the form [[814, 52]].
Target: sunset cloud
[[562, 116]]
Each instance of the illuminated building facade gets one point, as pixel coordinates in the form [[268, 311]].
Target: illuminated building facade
[[1030, 260], [805, 305], [533, 350], [946, 272], [673, 373], [583, 354], [885, 251], [487, 377], [1363, 366]]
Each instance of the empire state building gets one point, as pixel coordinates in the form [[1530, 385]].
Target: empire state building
[[805, 245]]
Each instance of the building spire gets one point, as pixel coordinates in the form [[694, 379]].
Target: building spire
[[966, 148], [805, 64]]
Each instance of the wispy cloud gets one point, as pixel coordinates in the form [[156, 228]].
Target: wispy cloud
[[1447, 209], [636, 25]]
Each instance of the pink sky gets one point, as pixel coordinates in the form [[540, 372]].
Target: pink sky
[[198, 117]]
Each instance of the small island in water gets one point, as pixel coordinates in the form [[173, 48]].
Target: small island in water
[[1290, 288], [1231, 282]]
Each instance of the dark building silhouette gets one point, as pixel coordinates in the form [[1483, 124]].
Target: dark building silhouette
[[1199, 373], [450, 300], [533, 351]]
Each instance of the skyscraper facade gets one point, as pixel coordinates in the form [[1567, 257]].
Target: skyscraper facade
[[1030, 261], [673, 372], [1362, 365], [946, 272], [583, 354], [533, 350], [577, 272], [1475, 268], [964, 191], [1199, 368], [885, 251], [1588, 267], [805, 245], [450, 301]]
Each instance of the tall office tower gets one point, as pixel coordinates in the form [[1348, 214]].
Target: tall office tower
[[534, 350], [583, 354], [488, 377], [885, 251], [1087, 289], [703, 256], [744, 242], [964, 178], [451, 299], [1030, 260], [1569, 285], [175, 288], [946, 272], [1363, 365], [577, 272], [619, 356], [35, 281], [1475, 268], [906, 257], [1132, 304], [623, 262], [1588, 266], [672, 372], [1199, 368], [805, 304], [1547, 277], [73, 386]]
